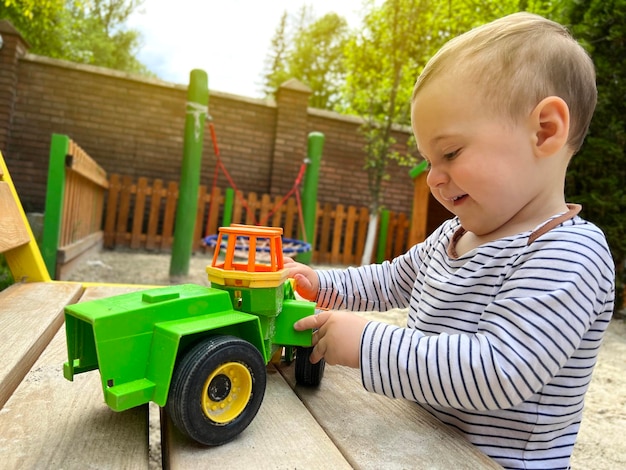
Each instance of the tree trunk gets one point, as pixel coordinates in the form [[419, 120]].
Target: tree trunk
[[368, 250]]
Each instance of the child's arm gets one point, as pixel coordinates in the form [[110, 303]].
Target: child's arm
[[376, 287], [543, 319], [538, 332]]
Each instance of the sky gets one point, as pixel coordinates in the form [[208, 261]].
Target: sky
[[228, 39]]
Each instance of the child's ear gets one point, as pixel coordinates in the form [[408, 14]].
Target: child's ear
[[551, 125]]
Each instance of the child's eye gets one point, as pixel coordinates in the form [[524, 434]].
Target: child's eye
[[451, 155]]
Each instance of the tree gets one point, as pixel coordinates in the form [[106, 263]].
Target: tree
[[317, 59], [597, 173], [383, 61], [380, 64], [312, 54], [276, 72], [40, 22], [99, 37], [84, 31]]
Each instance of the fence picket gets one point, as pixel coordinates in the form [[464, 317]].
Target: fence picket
[[252, 206], [348, 243], [109, 221], [265, 207], [200, 216], [237, 208], [290, 230], [140, 205], [363, 222], [121, 232], [215, 198], [153, 218], [337, 232], [170, 212]]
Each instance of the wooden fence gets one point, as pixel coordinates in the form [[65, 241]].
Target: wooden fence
[[74, 206], [140, 215]]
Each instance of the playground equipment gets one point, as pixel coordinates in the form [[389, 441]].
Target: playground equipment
[[291, 246], [197, 105], [198, 351], [309, 173]]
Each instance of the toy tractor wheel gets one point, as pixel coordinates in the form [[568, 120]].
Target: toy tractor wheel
[[217, 389], [307, 373]]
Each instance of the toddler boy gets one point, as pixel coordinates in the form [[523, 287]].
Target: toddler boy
[[509, 300]]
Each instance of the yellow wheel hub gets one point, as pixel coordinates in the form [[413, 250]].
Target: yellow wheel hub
[[226, 392]]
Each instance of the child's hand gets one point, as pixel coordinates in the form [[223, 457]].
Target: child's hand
[[307, 283], [338, 337]]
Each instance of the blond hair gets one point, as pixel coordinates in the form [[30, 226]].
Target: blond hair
[[518, 60]]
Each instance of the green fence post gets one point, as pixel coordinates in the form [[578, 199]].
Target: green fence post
[[229, 198], [187, 206], [315, 145], [383, 232], [59, 149]]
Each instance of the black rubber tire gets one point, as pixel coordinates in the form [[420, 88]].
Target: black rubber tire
[[191, 392], [307, 373]]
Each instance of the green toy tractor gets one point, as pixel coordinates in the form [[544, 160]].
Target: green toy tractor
[[201, 352]]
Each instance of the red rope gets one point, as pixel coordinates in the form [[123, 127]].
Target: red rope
[[294, 190], [220, 166]]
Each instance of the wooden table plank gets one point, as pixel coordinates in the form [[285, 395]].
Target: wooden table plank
[[30, 316], [50, 422], [282, 435], [373, 431]]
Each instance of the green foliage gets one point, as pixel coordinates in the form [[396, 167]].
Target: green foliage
[[317, 59], [597, 175], [275, 62], [6, 278], [83, 31], [312, 54], [381, 60], [41, 23]]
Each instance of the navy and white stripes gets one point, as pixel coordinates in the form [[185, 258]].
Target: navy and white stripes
[[501, 342]]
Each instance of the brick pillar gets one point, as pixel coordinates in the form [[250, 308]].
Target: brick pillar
[[290, 140], [13, 47]]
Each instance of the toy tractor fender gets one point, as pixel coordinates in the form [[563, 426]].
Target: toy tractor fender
[[173, 341]]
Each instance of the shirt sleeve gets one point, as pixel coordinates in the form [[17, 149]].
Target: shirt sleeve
[[376, 287], [379, 287]]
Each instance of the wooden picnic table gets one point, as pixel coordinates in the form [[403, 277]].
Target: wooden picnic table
[[49, 422], [337, 425]]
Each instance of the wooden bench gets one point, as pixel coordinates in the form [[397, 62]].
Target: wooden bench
[[48, 422]]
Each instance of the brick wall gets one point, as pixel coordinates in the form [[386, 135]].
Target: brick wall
[[134, 126]]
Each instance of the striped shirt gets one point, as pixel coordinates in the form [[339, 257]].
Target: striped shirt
[[500, 342]]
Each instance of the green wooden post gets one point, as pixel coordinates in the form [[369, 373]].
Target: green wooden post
[[59, 149], [383, 232], [309, 192], [229, 198], [187, 206]]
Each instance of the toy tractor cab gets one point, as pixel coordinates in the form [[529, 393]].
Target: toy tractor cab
[[201, 352]]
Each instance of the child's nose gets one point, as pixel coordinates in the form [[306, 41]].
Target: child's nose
[[436, 177]]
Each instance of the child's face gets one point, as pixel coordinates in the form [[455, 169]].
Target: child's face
[[483, 168]]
